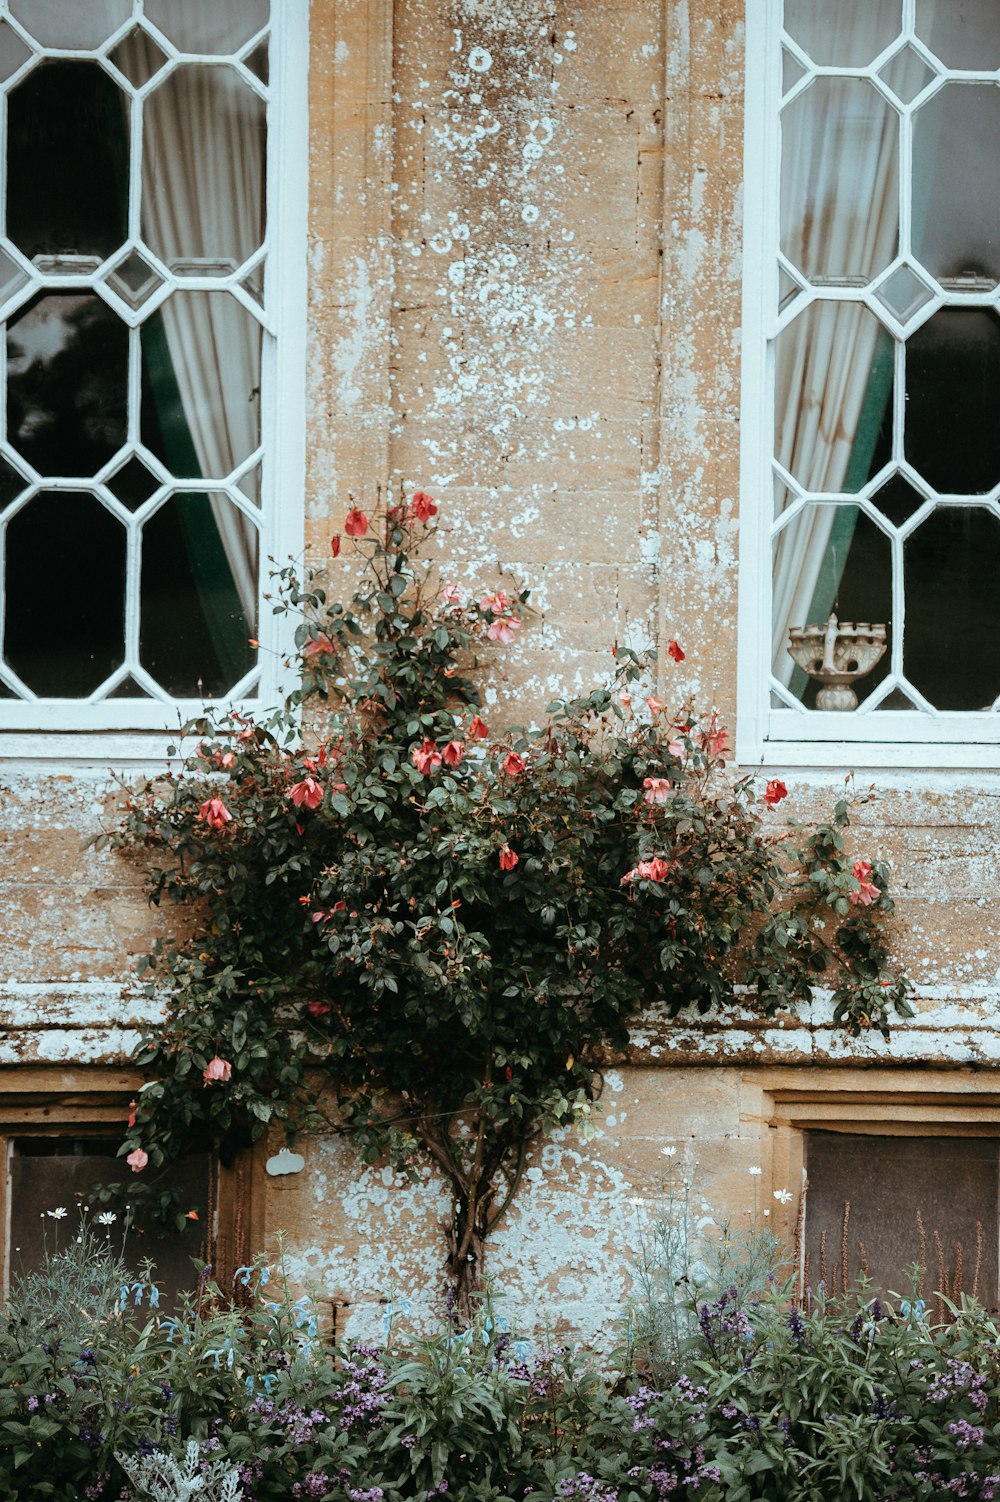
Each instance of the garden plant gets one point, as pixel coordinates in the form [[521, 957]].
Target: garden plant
[[426, 931], [764, 1399]]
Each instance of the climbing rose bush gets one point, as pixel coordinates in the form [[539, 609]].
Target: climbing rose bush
[[448, 922]]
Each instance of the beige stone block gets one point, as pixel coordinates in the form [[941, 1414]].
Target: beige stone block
[[529, 468], [617, 54]]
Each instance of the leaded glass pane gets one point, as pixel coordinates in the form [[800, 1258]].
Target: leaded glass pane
[[210, 219], [126, 355], [67, 383], [896, 409], [64, 649]]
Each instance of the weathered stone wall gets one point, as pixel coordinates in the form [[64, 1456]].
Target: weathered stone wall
[[524, 297]]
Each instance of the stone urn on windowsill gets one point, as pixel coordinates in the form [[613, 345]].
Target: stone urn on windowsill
[[835, 655]]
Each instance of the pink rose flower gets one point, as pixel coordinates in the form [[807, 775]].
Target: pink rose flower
[[422, 507], [453, 753], [496, 604], [513, 764], [508, 859], [426, 758], [775, 791], [657, 789], [137, 1160], [503, 628], [215, 813], [355, 522], [867, 892], [217, 1071], [308, 792], [655, 870]]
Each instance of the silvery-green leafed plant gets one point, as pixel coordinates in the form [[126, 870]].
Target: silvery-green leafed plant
[[161, 1479]]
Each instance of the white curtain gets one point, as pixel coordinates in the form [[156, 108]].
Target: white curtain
[[840, 221], [203, 210]]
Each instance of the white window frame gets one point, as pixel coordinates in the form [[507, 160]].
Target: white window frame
[[123, 730], [786, 737]]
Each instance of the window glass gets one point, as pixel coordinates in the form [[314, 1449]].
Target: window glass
[[877, 1205], [133, 291], [886, 357], [49, 1174]]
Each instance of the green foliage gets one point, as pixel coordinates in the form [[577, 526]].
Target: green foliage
[[447, 927], [772, 1402]]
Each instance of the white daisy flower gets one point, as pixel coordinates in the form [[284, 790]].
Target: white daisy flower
[[783, 1196], [106, 1218], [755, 1171], [58, 1214]]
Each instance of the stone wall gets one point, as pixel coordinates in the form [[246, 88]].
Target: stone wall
[[525, 297]]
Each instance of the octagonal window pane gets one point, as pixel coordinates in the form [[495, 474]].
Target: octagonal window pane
[[84, 23], [198, 600], [952, 436], [201, 384], [858, 32], [840, 181], [67, 383], [963, 33], [831, 559], [833, 391], [65, 646], [209, 219], [956, 188], [221, 27], [71, 116], [951, 564]]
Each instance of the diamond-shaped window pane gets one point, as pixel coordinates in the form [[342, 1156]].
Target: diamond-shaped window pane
[[12, 482], [906, 74], [784, 496], [254, 284], [904, 293], [250, 484], [128, 689], [787, 289], [134, 279], [897, 700], [13, 52], [133, 484], [897, 500], [12, 276], [256, 61], [791, 70], [138, 57]]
